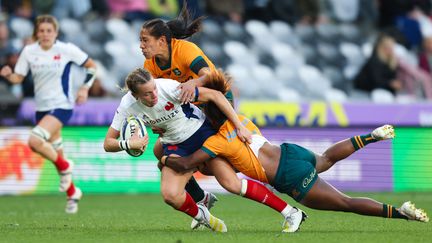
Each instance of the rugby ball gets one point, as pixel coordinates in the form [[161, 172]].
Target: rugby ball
[[130, 126]]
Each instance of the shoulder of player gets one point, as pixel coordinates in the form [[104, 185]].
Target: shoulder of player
[[65, 46], [183, 44], [149, 63], [30, 47], [127, 100], [166, 82]]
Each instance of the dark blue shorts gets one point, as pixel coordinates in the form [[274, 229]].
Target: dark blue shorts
[[61, 114], [193, 143]]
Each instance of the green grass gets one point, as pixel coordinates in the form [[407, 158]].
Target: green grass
[[145, 218]]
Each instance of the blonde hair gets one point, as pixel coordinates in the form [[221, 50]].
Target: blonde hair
[[390, 60], [44, 19], [137, 77]]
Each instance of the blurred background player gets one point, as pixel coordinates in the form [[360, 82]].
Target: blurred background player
[[49, 61], [169, 56], [158, 102]]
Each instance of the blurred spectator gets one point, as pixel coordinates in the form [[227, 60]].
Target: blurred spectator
[[100, 8], [296, 11], [231, 10], [165, 9], [425, 56], [5, 43], [20, 8], [391, 71], [380, 70], [257, 9], [130, 10], [390, 9], [416, 81]]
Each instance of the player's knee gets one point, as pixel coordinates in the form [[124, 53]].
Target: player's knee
[[170, 196], [38, 137], [325, 159], [345, 203], [57, 144]]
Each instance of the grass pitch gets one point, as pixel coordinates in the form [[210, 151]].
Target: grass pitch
[[145, 218]]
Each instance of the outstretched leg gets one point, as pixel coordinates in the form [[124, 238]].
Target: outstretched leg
[[345, 148], [324, 196]]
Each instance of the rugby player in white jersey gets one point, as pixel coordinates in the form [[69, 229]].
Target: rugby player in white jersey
[[158, 103], [49, 61]]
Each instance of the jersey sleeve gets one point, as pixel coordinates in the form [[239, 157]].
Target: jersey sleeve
[[77, 55], [22, 66], [214, 145], [193, 57]]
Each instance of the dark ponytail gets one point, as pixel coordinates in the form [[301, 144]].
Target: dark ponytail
[[181, 27]]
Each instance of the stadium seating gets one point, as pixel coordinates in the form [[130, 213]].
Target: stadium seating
[[255, 53]]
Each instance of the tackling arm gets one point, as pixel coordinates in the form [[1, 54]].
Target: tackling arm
[[183, 164], [206, 95]]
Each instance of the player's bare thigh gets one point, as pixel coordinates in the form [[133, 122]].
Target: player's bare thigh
[[172, 186], [224, 173]]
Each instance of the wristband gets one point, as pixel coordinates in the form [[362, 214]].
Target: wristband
[[90, 77], [124, 144]]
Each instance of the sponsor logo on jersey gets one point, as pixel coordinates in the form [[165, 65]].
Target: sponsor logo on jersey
[[57, 57], [168, 117], [169, 106], [308, 179]]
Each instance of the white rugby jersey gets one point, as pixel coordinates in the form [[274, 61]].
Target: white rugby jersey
[[179, 121], [51, 71]]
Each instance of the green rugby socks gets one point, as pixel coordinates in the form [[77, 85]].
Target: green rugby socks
[[391, 212], [362, 140]]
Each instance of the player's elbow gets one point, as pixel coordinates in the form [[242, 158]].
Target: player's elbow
[[107, 146]]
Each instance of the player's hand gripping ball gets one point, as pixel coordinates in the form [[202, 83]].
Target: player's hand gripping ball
[[132, 125]]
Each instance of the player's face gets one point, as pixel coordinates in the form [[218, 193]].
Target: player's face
[[46, 35], [150, 46], [147, 93]]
